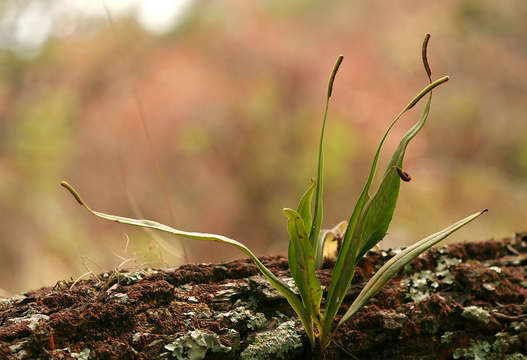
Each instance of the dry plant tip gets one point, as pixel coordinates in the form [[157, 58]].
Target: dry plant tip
[[425, 57], [333, 74], [72, 192]]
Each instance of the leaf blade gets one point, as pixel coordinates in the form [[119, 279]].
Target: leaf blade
[[395, 264], [293, 299], [304, 207], [343, 272], [317, 216], [380, 209], [304, 274]]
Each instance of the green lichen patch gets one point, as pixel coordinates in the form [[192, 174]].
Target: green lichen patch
[[83, 355], [447, 337], [128, 278], [476, 313], [260, 285], [485, 350], [516, 356], [279, 343], [480, 350], [32, 320], [228, 291], [195, 344], [243, 314], [444, 263], [6, 302], [393, 320], [420, 284], [133, 277]]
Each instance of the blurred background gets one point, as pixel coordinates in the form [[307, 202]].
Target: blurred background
[[231, 94]]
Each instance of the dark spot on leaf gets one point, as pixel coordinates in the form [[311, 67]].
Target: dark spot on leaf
[[403, 175]]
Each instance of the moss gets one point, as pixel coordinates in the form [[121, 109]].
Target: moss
[[278, 343]]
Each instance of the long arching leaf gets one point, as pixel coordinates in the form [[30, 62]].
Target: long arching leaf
[[345, 266], [395, 264], [292, 298]]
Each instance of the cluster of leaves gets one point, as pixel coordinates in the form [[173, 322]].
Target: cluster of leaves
[[366, 227]]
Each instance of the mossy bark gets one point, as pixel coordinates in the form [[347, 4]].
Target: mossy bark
[[465, 300]]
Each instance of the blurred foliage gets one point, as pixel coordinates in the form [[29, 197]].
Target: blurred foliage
[[224, 94]]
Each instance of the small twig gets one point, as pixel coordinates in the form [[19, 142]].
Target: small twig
[[80, 277], [124, 263], [501, 316], [513, 250]]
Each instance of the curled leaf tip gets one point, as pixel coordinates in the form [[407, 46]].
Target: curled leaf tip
[[425, 57], [333, 74], [403, 174], [73, 192]]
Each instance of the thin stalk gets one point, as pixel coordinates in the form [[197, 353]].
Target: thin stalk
[[317, 216]]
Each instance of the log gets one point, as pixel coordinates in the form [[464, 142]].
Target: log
[[461, 301]]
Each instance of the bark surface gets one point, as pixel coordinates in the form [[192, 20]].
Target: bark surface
[[461, 301]]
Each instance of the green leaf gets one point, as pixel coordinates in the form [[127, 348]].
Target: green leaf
[[395, 264], [303, 257], [317, 216], [292, 298], [304, 207], [379, 211], [345, 266]]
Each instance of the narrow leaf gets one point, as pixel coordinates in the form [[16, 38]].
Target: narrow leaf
[[395, 264], [379, 212], [317, 216], [304, 207], [304, 273], [292, 298], [354, 240], [345, 265]]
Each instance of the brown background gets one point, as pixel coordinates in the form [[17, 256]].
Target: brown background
[[233, 96]]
